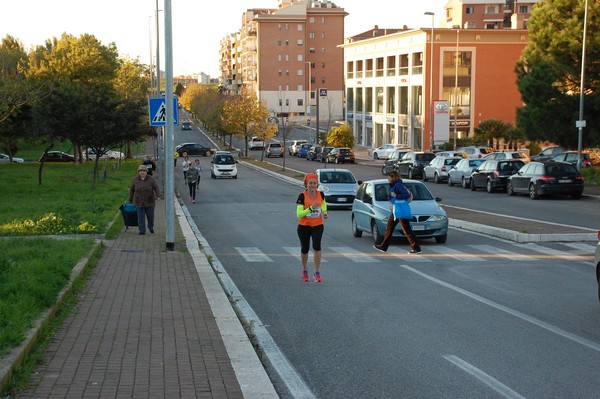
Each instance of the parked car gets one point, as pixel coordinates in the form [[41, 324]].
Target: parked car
[[572, 157], [341, 155], [385, 150], [322, 155], [547, 153], [303, 150], [274, 150], [338, 185], [57, 156], [452, 154], [311, 155], [194, 149], [108, 154], [186, 126], [391, 163], [493, 174], [293, 148], [508, 155], [6, 159], [597, 263], [223, 164], [256, 144], [476, 152], [548, 177], [413, 162], [461, 173], [438, 169], [370, 211]]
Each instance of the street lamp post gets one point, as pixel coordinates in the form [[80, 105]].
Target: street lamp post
[[430, 85], [581, 122], [308, 102], [456, 88]]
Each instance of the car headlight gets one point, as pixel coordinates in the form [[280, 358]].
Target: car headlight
[[437, 217]]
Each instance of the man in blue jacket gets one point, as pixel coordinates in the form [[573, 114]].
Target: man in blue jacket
[[398, 191]]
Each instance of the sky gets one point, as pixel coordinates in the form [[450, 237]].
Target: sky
[[197, 25]]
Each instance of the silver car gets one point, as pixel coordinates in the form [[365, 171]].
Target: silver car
[[339, 187], [371, 209], [437, 169], [461, 173]]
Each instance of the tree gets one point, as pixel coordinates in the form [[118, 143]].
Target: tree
[[340, 136], [242, 113], [492, 130], [548, 73]]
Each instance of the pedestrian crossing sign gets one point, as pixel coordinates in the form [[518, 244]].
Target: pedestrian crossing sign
[[158, 111]]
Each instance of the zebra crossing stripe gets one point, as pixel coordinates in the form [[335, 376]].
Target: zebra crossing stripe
[[253, 254], [551, 253], [462, 256], [354, 255], [295, 252], [582, 249], [503, 253]]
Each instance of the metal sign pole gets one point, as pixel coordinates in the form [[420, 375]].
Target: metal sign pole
[[169, 193]]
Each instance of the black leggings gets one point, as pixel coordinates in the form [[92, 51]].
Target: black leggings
[[305, 233]]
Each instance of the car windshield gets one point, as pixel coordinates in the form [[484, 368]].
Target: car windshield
[[425, 157], [224, 160], [275, 145], [560, 168], [337, 177], [418, 190]]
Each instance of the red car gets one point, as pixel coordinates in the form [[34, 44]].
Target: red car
[[57, 156]]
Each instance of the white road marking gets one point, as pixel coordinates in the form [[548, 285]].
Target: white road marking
[[295, 252], [354, 255], [253, 254], [462, 256], [483, 377], [502, 253], [549, 252]]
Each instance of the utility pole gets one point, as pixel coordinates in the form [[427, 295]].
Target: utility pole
[[169, 127]]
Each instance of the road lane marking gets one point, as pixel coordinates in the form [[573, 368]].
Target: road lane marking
[[582, 249], [354, 255], [554, 253], [253, 254], [542, 324], [483, 377], [502, 252], [462, 256]]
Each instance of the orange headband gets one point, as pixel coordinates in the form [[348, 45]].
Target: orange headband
[[308, 177]]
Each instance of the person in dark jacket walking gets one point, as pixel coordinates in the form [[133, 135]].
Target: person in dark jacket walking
[[193, 178], [398, 191], [144, 192], [150, 165]]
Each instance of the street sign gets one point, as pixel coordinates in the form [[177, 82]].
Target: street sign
[[322, 92], [158, 111]]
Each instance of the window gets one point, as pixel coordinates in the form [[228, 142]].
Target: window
[[279, 42], [322, 35], [287, 72], [417, 100], [359, 99], [379, 100], [287, 27], [391, 100], [470, 10], [313, 80], [300, 87], [322, 65], [299, 27], [323, 79], [287, 88], [312, 50], [279, 72], [280, 101], [300, 57], [350, 99], [323, 20], [279, 26], [369, 99], [523, 9], [300, 42], [279, 57], [300, 72], [350, 67], [311, 20], [287, 57], [287, 42], [311, 35], [491, 9], [287, 102], [403, 100], [300, 102]]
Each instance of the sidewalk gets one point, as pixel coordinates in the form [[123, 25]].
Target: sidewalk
[[151, 323]]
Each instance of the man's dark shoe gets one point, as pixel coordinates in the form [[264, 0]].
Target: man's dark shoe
[[378, 247], [142, 233], [415, 251], [151, 230]]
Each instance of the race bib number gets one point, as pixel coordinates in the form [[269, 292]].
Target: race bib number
[[316, 212]]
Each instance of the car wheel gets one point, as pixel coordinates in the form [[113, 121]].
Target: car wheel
[[377, 236], [337, 161], [576, 196], [410, 174], [472, 185], [509, 189], [235, 177], [489, 186], [212, 176], [450, 182], [424, 176], [441, 239], [436, 179], [463, 183], [355, 230], [383, 170], [533, 192], [375, 155]]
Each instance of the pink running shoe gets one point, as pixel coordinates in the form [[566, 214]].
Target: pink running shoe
[[318, 278], [305, 275]]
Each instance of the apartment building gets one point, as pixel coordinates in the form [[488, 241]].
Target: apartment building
[[388, 75], [489, 14], [286, 55]]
